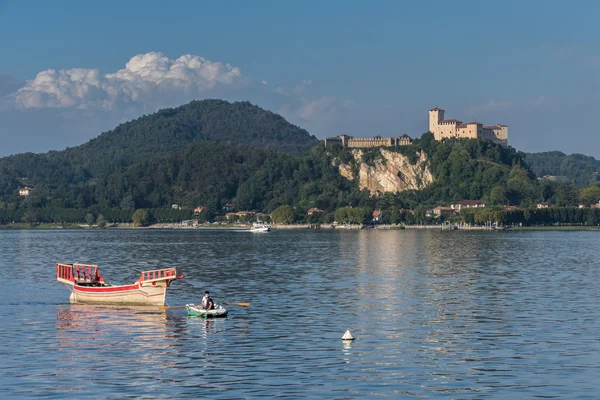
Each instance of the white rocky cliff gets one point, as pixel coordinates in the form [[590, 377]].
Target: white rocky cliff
[[392, 172]]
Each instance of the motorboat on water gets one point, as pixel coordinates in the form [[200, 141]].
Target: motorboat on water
[[88, 287], [196, 310], [260, 226]]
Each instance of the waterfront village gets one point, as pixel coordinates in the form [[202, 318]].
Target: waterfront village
[[314, 217], [442, 129]]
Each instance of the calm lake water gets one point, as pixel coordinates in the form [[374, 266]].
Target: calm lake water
[[436, 315]]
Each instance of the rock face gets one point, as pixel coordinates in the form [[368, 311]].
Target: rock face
[[395, 174]]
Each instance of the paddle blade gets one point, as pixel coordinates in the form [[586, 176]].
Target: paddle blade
[[237, 304], [167, 307]]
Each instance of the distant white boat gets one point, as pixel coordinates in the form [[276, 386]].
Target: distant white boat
[[260, 226]]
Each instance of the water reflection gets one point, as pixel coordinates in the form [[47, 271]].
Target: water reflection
[[466, 314]]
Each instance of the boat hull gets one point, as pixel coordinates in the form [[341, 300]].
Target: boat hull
[[197, 311], [87, 286], [258, 230], [134, 295]]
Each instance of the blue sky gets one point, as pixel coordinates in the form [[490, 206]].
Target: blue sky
[[361, 68]]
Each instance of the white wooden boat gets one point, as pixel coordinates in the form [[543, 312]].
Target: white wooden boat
[[196, 310], [87, 286], [260, 227]]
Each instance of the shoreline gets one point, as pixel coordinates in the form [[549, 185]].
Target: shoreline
[[242, 227]]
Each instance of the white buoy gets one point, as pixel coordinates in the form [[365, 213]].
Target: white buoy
[[347, 335]]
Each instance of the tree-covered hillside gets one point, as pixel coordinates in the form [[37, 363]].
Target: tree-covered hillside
[[213, 174], [148, 137], [473, 169], [211, 153], [583, 170]]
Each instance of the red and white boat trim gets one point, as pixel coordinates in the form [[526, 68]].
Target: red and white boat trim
[[87, 286]]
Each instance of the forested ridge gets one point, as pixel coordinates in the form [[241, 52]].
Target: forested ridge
[[578, 168], [164, 132], [212, 153]]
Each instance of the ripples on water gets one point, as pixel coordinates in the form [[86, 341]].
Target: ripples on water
[[436, 314]]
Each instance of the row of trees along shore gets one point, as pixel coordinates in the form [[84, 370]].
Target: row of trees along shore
[[589, 216], [213, 174]]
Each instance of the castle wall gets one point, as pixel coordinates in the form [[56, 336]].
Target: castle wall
[[348, 141], [446, 130], [487, 134], [469, 131], [333, 141], [365, 142], [404, 141], [501, 133]]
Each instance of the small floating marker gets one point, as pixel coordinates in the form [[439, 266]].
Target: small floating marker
[[347, 335]]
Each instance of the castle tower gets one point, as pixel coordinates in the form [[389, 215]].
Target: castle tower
[[435, 116]]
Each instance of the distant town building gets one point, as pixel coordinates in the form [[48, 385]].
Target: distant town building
[[199, 209], [350, 141], [239, 214], [26, 191], [228, 208], [459, 205], [454, 128], [314, 211], [543, 204], [176, 207], [377, 215], [443, 211]]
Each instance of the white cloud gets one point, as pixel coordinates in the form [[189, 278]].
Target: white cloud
[[281, 91], [144, 78], [301, 86], [319, 115], [88, 101], [317, 107]]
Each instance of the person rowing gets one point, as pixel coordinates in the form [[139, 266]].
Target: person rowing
[[207, 302]]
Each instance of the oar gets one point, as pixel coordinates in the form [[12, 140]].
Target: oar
[[238, 304], [167, 307], [242, 304]]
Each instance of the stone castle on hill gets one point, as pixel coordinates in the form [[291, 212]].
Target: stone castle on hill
[[349, 141], [441, 129], [453, 128]]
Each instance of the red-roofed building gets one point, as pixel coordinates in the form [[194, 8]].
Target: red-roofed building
[[314, 211], [199, 209], [377, 215], [26, 191]]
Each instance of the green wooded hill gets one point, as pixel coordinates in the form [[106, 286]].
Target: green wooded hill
[[578, 168], [164, 132], [212, 153]]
